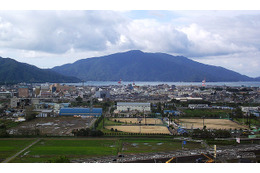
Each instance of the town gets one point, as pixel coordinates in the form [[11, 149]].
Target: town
[[217, 113]]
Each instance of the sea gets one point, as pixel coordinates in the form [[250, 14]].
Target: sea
[[144, 83]]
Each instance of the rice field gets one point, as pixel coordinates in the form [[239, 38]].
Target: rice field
[[9, 147]]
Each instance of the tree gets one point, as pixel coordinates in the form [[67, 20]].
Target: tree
[[29, 113], [79, 99], [3, 132], [238, 113]]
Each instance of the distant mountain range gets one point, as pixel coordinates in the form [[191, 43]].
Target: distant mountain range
[[12, 71], [136, 65]]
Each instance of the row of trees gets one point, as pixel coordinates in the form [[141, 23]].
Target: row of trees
[[87, 132], [3, 132]]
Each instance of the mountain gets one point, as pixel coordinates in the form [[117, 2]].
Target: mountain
[[136, 65], [12, 71]]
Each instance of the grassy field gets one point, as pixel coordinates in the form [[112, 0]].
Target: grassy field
[[254, 122], [71, 148], [154, 145], [205, 112], [210, 124], [9, 147], [50, 148]]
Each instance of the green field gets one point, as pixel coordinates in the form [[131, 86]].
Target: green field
[[9, 147], [154, 145], [9, 123], [254, 122], [48, 149], [216, 113]]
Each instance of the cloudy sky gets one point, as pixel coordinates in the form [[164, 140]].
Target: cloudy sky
[[230, 39]]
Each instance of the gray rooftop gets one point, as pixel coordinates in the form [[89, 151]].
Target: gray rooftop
[[132, 104]]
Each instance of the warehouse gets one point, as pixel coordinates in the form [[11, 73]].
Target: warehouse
[[94, 112], [133, 106]]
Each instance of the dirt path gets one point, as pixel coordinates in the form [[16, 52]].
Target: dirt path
[[12, 157]]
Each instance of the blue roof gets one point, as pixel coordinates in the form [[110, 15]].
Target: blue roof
[[180, 130], [81, 111], [65, 104]]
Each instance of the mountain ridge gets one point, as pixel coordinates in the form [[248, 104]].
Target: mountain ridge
[[12, 71], [136, 65]]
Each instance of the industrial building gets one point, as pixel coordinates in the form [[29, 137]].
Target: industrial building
[[102, 94], [95, 112], [133, 106]]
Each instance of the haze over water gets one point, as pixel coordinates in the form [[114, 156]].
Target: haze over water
[[143, 83]]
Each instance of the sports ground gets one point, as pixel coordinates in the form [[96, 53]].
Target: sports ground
[[210, 124], [141, 129]]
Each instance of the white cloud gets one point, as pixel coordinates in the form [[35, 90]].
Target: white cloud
[[246, 63], [50, 38]]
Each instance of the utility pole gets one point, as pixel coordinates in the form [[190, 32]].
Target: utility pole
[[215, 152], [203, 121]]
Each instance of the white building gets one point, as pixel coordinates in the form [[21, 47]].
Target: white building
[[248, 109], [198, 106], [133, 106]]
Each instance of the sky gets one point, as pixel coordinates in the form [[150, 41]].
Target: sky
[[48, 38]]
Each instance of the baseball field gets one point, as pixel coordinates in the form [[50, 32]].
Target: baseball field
[[210, 124], [141, 129]]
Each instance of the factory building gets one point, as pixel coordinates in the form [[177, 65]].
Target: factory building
[[102, 94], [133, 106], [95, 112]]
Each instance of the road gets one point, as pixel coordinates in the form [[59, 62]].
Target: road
[[14, 156]]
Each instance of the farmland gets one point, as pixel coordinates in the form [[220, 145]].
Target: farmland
[[154, 145], [9, 147], [47, 149], [73, 148], [210, 124]]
